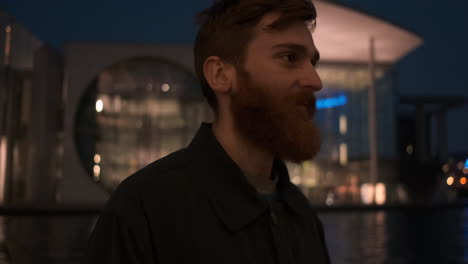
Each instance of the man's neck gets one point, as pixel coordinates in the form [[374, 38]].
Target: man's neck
[[255, 162]]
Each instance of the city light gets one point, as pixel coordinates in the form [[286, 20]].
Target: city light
[[97, 172], [99, 105], [97, 158], [463, 180], [450, 180], [466, 164], [165, 87], [343, 154], [409, 149], [330, 199], [367, 193], [331, 102], [445, 168], [7, 45], [380, 193], [3, 151], [343, 124]]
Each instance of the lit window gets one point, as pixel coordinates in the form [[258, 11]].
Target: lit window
[[343, 124], [463, 180], [367, 193], [99, 106], [165, 87], [97, 158], [449, 180], [97, 172], [410, 149], [380, 193], [343, 154]]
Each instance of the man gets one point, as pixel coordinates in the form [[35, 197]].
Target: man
[[227, 198]]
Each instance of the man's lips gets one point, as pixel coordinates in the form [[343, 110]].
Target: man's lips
[[310, 106], [307, 109], [306, 104]]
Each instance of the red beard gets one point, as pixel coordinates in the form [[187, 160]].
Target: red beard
[[279, 124]]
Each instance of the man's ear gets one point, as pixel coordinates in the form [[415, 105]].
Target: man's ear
[[218, 74]]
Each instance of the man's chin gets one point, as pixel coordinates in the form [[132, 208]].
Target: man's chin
[[300, 154], [299, 139]]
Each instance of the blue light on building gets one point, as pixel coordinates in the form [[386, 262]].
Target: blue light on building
[[331, 102], [466, 164]]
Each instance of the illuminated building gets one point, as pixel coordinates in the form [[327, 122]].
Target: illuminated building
[[134, 103]]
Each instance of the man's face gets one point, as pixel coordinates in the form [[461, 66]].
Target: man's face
[[273, 102]]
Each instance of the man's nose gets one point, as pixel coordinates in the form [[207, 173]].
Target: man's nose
[[310, 79]]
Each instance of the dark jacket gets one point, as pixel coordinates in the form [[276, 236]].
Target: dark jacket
[[196, 206]]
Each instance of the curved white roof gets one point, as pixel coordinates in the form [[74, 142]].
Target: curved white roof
[[343, 35]]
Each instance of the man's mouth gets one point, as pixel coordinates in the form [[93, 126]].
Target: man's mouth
[[306, 106], [307, 110]]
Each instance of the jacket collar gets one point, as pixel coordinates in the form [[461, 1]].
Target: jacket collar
[[234, 200]]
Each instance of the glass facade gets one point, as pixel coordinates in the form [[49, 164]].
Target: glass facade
[[133, 113], [18, 48]]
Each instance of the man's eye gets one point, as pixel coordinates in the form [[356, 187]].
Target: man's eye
[[289, 58]]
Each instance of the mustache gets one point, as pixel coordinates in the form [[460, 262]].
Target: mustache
[[308, 100], [305, 98]]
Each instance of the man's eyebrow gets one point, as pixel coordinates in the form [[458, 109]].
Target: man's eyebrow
[[293, 46], [299, 48]]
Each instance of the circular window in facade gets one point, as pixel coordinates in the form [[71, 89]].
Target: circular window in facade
[[133, 113]]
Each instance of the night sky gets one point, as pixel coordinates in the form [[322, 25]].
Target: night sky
[[439, 66]]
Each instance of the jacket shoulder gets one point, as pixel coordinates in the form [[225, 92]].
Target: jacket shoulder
[[175, 163], [153, 181]]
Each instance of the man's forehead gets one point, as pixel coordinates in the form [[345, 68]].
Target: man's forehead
[[297, 33], [268, 19]]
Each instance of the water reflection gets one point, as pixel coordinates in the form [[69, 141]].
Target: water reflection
[[403, 236]]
